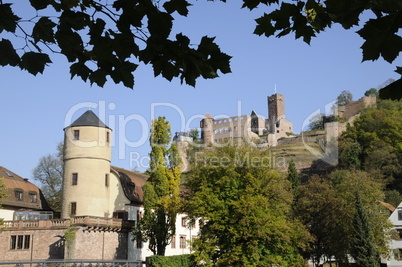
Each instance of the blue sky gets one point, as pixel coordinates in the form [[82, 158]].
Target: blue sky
[[33, 109]]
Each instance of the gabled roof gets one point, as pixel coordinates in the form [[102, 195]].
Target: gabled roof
[[15, 182], [254, 114], [387, 205], [88, 119]]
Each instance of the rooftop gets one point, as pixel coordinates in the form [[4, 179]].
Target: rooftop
[[89, 118]]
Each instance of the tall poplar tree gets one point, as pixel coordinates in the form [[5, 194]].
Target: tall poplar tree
[[293, 175], [363, 247], [3, 194], [161, 191]]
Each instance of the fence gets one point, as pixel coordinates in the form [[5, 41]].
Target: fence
[[73, 263]]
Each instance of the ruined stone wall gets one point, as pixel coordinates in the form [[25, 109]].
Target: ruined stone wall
[[285, 127], [334, 130], [44, 244], [300, 139], [356, 106]]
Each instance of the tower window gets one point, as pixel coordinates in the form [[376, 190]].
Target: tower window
[[74, 179], [73, 208], [76, 134], [107, 137], [106, 179]]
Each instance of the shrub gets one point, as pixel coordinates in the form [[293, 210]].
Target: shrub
[[185, 260]]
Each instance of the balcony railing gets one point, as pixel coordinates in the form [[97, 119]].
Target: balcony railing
[[65, 223]]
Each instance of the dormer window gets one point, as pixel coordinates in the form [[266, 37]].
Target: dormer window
[[76, 134], [34, 197], [18, 194]]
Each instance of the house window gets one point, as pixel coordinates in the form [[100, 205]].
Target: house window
[[76, 134], [183, 242], [106, 179], [73, 208], [398, 254], [18, 194], [184, 221], [138, 242], [399, 231], [201, 223], [400, 215], [20, 242], [34, 197], [74, 179], [173, 242]]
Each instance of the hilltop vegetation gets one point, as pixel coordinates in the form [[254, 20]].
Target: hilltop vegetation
[[251, 211]]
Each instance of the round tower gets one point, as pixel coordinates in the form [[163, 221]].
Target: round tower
[[87, 156], [207, 129]]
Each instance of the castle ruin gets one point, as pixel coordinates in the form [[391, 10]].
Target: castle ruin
[[250, 127]]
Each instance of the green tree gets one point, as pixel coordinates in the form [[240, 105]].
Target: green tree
[[393, 197], [327, 207], [293, 175], [374, 143], [3, 195], [194, 134], [363, 247], [246, 208], [101, 39], [316, 122], [126, 33], [371, 91], [344, 98], [161, 191], [49, 173], [323, 212]]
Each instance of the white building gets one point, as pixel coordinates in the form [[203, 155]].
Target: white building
[[396, 244]]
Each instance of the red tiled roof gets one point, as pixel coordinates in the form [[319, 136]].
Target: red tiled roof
[[15, 182]]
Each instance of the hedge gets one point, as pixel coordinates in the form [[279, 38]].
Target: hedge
[[185, 260]]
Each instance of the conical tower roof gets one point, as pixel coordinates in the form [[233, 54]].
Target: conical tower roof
[[88, 119]]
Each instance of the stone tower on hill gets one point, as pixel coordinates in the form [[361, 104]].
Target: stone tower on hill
[[277, 123], [207, 127], [87, 156]]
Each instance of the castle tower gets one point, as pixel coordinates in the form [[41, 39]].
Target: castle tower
[[87, 156], [277, 123], [276, 108], [207, 129]]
